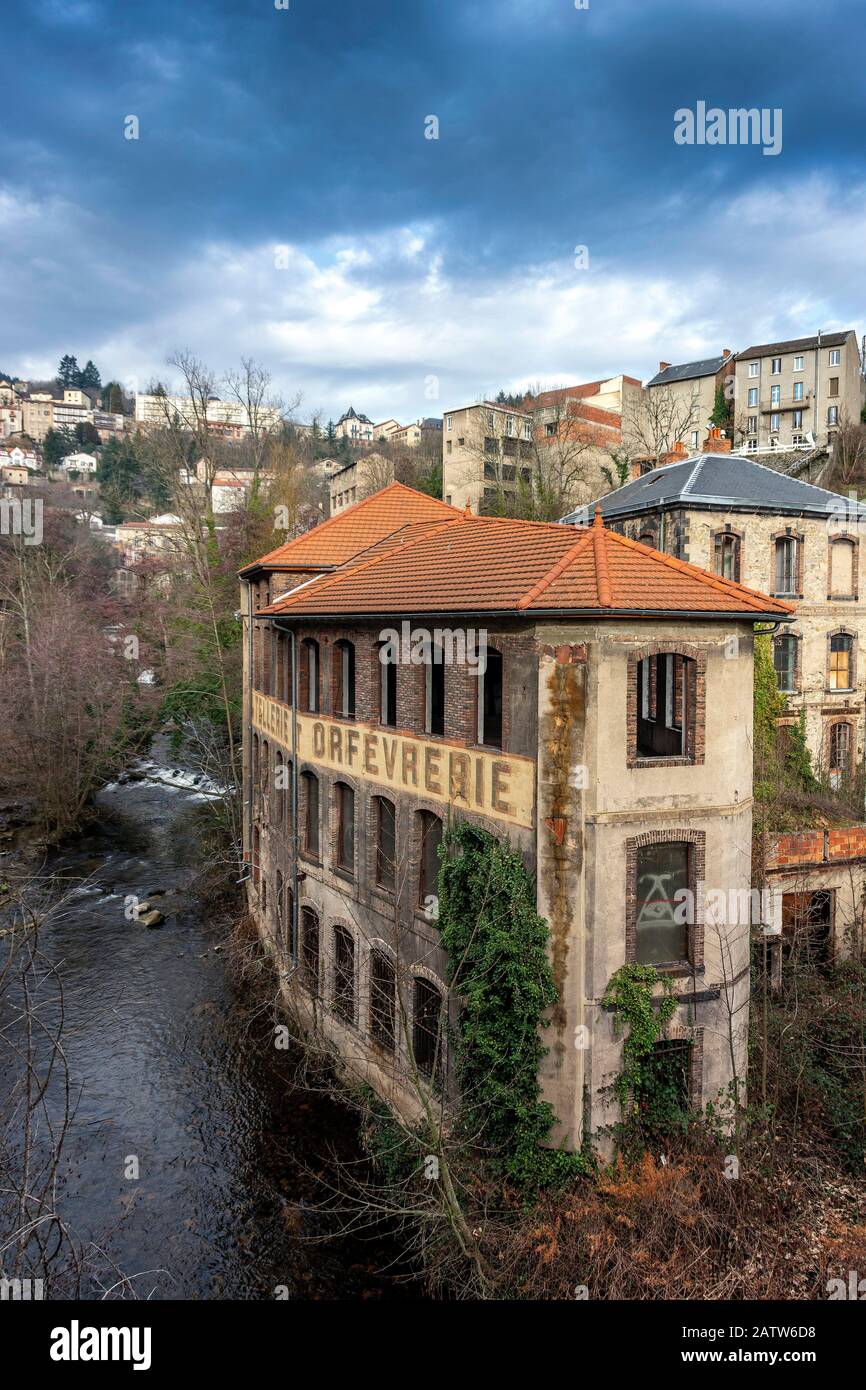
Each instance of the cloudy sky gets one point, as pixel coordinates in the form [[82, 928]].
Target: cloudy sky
[[282, 201]]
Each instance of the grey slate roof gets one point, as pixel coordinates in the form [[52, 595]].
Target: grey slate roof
[[689, 371], [719, 482], [796, 345]]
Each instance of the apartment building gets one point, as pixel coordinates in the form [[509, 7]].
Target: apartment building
[[488, 448], [367, 473], [747, 523], [229, 418], [484, 448], [605, 736], [414, 435], [679, 402], [37, 415], [386, 430], [797, 393]]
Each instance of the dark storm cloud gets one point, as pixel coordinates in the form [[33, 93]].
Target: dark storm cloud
[[306, 125]]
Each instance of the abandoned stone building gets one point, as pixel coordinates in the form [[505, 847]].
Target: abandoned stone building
[[582, 696], [755, 526]]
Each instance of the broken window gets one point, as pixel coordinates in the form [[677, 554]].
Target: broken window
[[310, 949], [490, 699], [345, 827], [666, 694], [427, 1030], [431, 839], [344, 974], [840, 748], [434, 692], [310, 673], [344, 693], [311, 818], [383, 989], [807, 921], [385, 842], [387, 687]]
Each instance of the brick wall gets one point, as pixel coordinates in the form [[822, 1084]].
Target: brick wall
[[815, 847]]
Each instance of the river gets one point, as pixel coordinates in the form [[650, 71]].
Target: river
[[172, 1069]]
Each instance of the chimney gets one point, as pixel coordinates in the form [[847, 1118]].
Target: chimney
[[663, 366], [676, 455], [715, 442], [726, 352]]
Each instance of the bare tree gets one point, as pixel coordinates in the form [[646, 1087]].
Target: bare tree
[[659, 418]]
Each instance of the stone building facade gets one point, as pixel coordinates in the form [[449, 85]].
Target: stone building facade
[[605, 735], [745, 522]]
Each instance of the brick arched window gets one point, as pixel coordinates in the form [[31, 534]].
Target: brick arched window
[[666, 705], [840, 661], [842, 576], [383, 999], [427, 1032], [663, 869], [490, 689], [787, 561], [839, 746], [310, 680], [310, 949], [343, 997], [344, 679]]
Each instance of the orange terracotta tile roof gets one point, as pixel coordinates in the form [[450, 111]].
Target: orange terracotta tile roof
[[354, 529], [470, 564]]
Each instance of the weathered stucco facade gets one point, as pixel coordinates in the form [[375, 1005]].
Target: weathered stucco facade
[[566, 777]]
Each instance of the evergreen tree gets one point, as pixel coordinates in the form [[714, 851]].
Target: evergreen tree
[[67, 372], [721, 413], [89, 376], [112, 398], [87, 435], [55, 446]]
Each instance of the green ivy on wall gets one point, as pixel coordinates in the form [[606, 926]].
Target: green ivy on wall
[[630, 994], [499, 968]]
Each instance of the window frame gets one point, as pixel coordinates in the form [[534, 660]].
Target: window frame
[[778, 641], [344, 989], [434, 685], [692, 698], [345, 680], [696, 840], [311, 845], [483, 734], [311, 667], [344, 828], [385, 881]]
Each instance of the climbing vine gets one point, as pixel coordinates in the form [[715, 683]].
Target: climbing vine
[[630, 994], [498, 966]]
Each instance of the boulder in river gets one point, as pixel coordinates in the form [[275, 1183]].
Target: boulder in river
[[151, 919]]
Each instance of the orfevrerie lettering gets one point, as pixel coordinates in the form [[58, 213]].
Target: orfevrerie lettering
[[488, 783]]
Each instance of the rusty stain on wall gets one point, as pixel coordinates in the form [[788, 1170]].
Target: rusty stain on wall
[[561, 849]]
